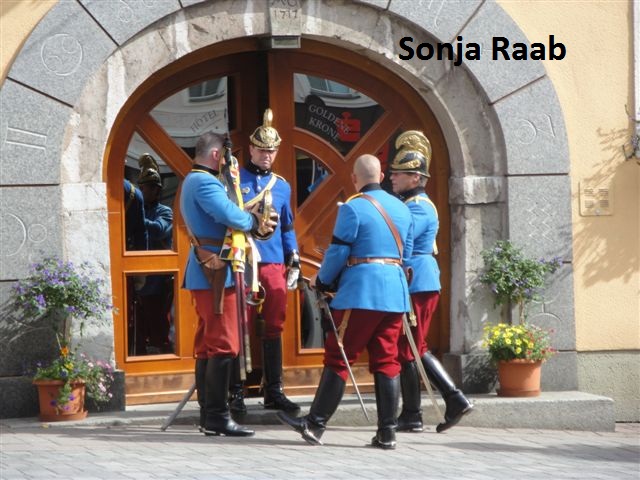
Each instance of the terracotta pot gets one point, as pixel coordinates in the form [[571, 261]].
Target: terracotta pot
[[519, 378], [47, 395]]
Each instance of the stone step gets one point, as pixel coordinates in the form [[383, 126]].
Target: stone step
[[571, 410]]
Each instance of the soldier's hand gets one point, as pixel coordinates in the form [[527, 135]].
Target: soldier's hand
[[266, 223], [293, 270], [293, 274]]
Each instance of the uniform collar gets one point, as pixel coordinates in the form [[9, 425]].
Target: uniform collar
[[411, 193], [256, 170], [197, 166], [370, 186]]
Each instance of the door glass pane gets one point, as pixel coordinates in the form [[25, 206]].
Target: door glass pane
[[310, 173], [336, 112], [150, 314], [195, 110], [150, 181]]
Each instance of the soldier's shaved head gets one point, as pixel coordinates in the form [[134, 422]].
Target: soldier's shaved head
[[367, 169]]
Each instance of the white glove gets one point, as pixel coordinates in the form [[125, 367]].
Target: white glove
[[292, 278]]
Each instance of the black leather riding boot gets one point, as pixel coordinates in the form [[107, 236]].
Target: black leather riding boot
[[274, 397], [201, 374], [456, 403], [218, 419], [387, 396], [236, 390], [328, 395], [410, 419]]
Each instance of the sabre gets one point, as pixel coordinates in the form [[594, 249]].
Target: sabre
[[423, 373], [324, 306], [179, 408]]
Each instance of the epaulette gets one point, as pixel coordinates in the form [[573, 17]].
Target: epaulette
[[420, 198], [353, 196], [280, 177]]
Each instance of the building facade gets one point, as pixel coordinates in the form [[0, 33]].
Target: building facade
[[525, 145]]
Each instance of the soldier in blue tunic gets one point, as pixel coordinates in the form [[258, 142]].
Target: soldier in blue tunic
[[409, 174], [207, 212], [279, 265], [364, 263]]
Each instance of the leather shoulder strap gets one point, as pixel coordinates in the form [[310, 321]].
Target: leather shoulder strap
[[390, 224]]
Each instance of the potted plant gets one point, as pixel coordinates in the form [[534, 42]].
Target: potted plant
[[518, 350], [53, 296]]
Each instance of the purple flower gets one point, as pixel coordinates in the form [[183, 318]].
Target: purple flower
[[41, 301], [72, 397]]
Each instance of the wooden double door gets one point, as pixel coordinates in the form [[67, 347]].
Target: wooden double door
[[330, 106]]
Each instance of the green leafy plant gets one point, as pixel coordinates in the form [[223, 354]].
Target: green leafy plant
[[514, 278], [524, 341], [54, 295]]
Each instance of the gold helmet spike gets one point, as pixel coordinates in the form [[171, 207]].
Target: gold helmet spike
[[265, 136], [267, 118], [413, 153], [149, 170]]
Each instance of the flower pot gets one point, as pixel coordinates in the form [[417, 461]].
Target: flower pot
[[47, 395], [519, 378]]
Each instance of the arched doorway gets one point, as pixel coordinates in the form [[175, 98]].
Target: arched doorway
[[330, 106]]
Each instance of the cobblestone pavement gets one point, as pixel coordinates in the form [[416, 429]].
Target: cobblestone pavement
[[144, 452]]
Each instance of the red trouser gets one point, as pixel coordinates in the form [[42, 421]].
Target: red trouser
[[216, 334], [424, 306], [274, 308], [376, 331]]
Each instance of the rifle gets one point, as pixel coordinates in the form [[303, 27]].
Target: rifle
[[234, 250]]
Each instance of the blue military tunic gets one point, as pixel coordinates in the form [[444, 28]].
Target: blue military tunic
[[426, 273], [361, 231], [253, 182], [158, 219], [207, 211]]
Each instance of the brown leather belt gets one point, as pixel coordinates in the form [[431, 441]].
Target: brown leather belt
[[212, 242], [351, 261]]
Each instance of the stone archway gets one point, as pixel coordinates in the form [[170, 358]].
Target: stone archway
[[502, 122]]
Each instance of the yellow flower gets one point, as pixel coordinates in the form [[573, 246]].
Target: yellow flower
[[518, 350], [518, 341], [507, 341]]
